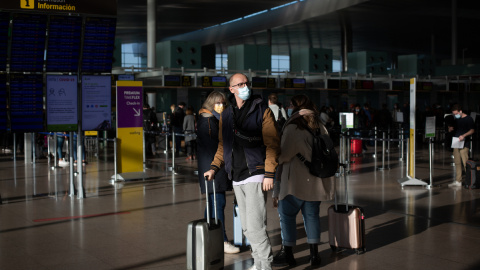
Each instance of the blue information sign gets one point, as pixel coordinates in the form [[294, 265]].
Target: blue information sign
[[99, 40], [4, 22], [64, 39], [3, 102], [26, 102], [28, 42]]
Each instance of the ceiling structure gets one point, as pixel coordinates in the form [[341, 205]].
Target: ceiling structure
[[397, 27]]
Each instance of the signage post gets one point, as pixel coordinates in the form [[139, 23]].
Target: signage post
[[410, 179], [130, 130]]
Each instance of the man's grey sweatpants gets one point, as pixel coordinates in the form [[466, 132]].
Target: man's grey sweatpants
[[253, 215]]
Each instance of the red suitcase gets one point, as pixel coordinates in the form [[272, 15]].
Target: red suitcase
[[346, 224], [356, 147]]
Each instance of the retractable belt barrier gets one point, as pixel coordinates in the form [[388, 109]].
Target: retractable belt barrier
[[345, 145]]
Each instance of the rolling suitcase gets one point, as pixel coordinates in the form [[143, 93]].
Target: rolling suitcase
[[346, 224], [238, 238], [205, 241], [355, 147], [472, 177]]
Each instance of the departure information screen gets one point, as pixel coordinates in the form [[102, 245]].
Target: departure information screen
[[64, 39], [26, 102], [28, 42], [3, 102], [98, 43], [4, 22]]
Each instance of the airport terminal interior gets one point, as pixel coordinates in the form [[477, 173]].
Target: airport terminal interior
[[60, 214], [142, 224]]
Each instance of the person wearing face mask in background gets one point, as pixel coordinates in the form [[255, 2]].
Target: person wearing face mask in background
[[248, 149], [207, 143], [465, 127], [289, 112]]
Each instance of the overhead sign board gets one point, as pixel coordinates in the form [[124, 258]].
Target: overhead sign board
[[215, 81], [3, 102], [26, 102], [105, 7], [295, 83]]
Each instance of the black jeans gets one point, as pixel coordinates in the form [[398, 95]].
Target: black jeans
[[191, 147]]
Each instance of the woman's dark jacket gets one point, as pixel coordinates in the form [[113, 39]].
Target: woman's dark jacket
[[207, 143]]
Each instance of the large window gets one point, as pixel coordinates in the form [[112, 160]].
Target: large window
[[336, 65], [280, 64], [133, 55], [221, 61]]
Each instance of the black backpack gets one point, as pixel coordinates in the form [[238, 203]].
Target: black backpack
[[324, 160]]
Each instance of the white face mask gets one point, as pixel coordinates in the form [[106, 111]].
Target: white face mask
[[244, 93]]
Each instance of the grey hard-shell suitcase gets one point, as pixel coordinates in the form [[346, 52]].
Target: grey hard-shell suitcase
[[346, 224], [205, 241]]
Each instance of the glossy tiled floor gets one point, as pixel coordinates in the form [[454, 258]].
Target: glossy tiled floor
[[142, 224]]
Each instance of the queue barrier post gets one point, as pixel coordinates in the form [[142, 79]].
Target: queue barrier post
[[430, 155], [115, 157], [71, 192], [348, 152], [388, 141], [144, 155], [173, 152], [55, 151], [402, 148]]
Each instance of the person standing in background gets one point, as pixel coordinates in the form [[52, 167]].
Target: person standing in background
[[177, 125], [465, 127], [190, 137], [296, 189], [207, 142]]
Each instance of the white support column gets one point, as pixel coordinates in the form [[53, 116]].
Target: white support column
[[454, 32], [151, 32]]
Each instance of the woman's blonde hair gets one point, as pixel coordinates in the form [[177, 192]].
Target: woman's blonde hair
[[213, 97]]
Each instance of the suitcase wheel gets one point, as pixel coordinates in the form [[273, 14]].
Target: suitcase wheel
[[360, 250]]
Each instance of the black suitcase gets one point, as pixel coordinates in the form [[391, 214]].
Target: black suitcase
[[205, 241], [472, 177], [346, 224]]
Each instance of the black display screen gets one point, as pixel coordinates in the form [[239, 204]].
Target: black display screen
[[28, 42], [64, 39], [4, 22], [3, 102], [26, 102], [99, 40]]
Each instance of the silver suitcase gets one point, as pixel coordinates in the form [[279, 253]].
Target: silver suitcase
[[238, 238], [205, 241]]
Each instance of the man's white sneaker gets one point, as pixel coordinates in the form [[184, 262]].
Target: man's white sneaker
[[455, 184], [229, 248]]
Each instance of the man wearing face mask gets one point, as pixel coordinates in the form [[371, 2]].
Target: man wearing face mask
[[465, 127], [248, 148]]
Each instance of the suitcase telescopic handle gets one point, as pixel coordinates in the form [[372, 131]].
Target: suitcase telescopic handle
[[346, 191], [214, 201]]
